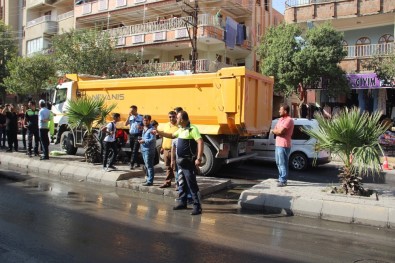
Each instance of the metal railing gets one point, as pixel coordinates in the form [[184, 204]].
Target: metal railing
[[66, 15], [296, 3], [361, 51], [39, 20], [164, 25], [202, 65]]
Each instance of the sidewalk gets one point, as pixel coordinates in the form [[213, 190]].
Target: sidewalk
[[315, 200], [74, 168]]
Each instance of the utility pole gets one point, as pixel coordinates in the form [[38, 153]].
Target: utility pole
[[193, 11]]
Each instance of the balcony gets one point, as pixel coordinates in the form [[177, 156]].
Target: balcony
[[99, 6], [41, 25], [367, 51], [305, 10], [202, 66], [39, 3]]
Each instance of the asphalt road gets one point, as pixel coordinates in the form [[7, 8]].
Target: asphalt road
[[52, 221]]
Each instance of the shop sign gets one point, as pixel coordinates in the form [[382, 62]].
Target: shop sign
[[368, 81]]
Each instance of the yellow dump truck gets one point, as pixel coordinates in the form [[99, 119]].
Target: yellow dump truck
[[228, 107]]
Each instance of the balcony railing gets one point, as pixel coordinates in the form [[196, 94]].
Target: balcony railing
[[39, 20], [295, 3], [66, 15], [202, 65], [363, 51], [165, 25]]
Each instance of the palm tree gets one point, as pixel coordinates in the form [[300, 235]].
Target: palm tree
[[353, 136], [87, 113]]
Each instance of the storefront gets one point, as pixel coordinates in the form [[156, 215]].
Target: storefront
[[370, 94]]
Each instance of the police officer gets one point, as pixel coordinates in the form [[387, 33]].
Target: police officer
[[190, 147], [31, 123]]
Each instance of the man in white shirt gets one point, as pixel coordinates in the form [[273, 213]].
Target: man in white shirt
[[109, 142], [43, 125]]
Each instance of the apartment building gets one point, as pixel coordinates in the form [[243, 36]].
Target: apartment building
[[369, 28], [42, 20], [161, 30]]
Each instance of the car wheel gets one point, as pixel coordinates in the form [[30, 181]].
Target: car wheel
[[298, 161]]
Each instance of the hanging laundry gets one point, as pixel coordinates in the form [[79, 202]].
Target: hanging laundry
[[231, 32]]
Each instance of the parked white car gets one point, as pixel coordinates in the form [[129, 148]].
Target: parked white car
[[303, 153]]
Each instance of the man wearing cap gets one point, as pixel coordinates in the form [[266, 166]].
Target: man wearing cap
[[44, 116]]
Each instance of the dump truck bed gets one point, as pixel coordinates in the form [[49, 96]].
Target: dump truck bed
[[230, 101]]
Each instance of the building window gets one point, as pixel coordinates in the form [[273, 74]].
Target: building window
[[363, 47], [34, 45], [386, 44]]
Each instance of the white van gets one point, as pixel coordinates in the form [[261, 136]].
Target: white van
[[303, 153]]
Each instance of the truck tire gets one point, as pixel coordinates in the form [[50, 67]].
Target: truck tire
[[209, 163], [66, 143], [298, 161]]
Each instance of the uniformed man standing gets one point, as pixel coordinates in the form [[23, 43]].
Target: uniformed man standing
[[31, 123], [190, 147]]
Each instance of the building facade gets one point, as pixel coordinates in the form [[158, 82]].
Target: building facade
[[161, 30], [368, 27]]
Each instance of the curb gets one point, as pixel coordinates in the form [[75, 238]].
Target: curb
[[313, 202], [70, 168]]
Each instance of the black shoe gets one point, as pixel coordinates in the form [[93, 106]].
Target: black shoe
[[112, 167], [146, 184], [8, 151], [44, 158], [190, 201], [196, 211], [180, 207], [281, 184], [137, 165]]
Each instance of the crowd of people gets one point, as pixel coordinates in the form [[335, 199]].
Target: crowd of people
[[30, 122], [182, 148]]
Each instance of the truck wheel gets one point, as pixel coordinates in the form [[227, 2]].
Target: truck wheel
[[66, 143], [298, 161], [209, 163]]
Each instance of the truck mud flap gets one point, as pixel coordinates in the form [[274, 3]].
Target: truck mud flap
[[240, 158]]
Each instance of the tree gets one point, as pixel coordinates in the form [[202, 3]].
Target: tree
[[8, 50], [84, 113], [353, 137], [30, 75], [306, 61], [383, 66], [89, 52]]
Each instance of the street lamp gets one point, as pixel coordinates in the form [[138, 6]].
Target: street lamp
[[193, 12]]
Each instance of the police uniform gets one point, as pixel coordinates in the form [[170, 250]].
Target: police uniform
[[186, 155], [31, 118]]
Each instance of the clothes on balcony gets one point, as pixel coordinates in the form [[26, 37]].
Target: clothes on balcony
[[230, 32], [240, 34]]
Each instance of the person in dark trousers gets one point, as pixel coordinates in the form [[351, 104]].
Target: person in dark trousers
[[31, 123], [109, 143], [43, 125], [189, 149], [21, 120], [135, 121], [11, 127], [3, 134]]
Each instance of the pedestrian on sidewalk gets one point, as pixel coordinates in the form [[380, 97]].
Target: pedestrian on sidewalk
[[11, 127], [31, 123], [166, 148], [283, 131], [3, 134], [44, 116], [21, 120], [189, 156], [135, 121], [148, 147], [109, 143]]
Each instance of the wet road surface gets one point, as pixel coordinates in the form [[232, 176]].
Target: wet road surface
[[42, 220]]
